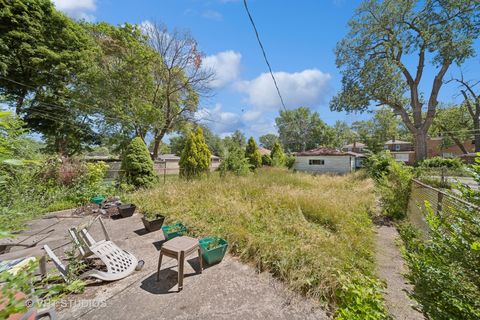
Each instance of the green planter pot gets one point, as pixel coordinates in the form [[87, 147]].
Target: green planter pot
[[213, 255], [173, 231], [97, 200]]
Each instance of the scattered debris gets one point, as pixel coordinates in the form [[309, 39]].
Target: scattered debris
[[108, 208]]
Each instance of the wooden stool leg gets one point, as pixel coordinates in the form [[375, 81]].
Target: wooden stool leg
[[159, 265], [181, 263], [200, 259], [43, 266]]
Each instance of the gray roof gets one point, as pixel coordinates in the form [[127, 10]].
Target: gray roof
[[168, 156], [397, 142], [171, 156], [357, 145]]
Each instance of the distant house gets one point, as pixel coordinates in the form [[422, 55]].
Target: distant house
[[264, 151], [402, 151], [436, 148], [356, 147], [324, 160], [359, 157], [169, 163]]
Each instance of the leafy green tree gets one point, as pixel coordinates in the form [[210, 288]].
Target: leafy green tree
[[163, 149], [177, 143], [43, 58], [367, 133], [236, 162], [11, 129], [342, 134], [268, 140], [382, 127], [384, 38], [180, 78], [196, 157], [454, 125], [253, 154], [214, 142], [137, 165], [122, 83], [266, 160], [277, 155], [235, 140], [301, 129]]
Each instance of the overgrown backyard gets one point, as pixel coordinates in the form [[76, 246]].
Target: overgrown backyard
[[315, 233], [130, 150]]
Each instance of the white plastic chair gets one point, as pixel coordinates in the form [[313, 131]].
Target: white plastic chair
[[119, 263], [83, 240]]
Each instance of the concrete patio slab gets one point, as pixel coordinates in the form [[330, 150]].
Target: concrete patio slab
[[229, 290]]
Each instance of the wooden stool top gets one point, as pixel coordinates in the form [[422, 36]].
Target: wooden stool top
[[179, 244]]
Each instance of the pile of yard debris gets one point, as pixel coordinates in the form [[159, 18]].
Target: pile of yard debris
[[108, 208]]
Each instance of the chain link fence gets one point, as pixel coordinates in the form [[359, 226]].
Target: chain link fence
[[442, 203]]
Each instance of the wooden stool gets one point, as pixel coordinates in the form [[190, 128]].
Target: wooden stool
[[178, 248]]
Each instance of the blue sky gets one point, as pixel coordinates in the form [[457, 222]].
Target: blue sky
[[299, 37]]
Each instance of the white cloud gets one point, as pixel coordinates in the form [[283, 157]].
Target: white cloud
[[226, 65], [261, 127], [146, 26], [78, 9], [212, 15], [221, 122], [251, 115], [306, 88], [224, 123]]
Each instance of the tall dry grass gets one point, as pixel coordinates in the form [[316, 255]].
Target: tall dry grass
[[304, 229]]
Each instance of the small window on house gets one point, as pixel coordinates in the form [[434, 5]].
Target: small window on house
[[397, 147], [316, 162]]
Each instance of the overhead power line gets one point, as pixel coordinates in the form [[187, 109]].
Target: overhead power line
[[264, 54]]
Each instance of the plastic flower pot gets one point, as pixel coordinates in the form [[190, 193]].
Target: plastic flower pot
[[126, 210], [97, 200], [213, 249], [173, 231], [153, 223]]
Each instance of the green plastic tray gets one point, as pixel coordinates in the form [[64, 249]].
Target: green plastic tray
[[169, 234], [97, 200]]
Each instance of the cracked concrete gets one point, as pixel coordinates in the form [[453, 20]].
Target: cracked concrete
[[229, 290], [390, 268]]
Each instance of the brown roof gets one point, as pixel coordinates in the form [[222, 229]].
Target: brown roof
[[323, 152], [263, 151]]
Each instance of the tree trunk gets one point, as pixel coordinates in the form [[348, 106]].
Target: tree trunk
[[19, 103], [157, 140], [476, 126], [420, 136], [455, 139]]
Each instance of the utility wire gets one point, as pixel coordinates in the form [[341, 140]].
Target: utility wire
[[264, 54], [54, 116]]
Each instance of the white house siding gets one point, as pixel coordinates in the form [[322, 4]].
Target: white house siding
[[332, 164]]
